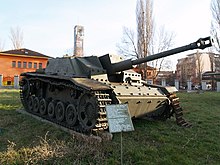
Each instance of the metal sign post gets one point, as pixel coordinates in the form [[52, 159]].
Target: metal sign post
[[119, 120]]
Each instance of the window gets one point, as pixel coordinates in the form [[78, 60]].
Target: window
[[35, 65], [13, 64], [40, 65], [30, 65], [24, 64], [19, 64]]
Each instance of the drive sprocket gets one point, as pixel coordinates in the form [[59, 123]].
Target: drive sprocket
[[88, 111]]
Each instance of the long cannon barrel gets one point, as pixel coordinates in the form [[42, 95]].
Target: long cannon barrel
[[201, 43]]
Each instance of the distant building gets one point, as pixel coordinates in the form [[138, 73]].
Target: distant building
[[151, 71], [78, 40], [169, 76], [14, 62], [194, 65]]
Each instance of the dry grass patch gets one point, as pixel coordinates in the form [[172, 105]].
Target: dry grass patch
[[50, 151], [46, 150]]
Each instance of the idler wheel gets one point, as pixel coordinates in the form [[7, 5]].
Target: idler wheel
[[51, 109], [88, 111], [43, 106], [36, 104], [71, 115], [31, 103], [60, 111]]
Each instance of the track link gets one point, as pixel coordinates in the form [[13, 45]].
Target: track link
[[103, 100], [178, 111]]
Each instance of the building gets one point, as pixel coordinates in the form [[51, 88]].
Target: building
[[150, 73], [194, 65], [78, 40], [168, 76], [14, 62]]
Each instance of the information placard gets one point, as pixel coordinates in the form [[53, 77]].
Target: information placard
[[119, 118]]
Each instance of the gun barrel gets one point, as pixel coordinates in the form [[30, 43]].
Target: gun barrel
[[201, 43]]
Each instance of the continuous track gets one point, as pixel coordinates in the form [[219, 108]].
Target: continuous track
[[178, 111], [29, 93]]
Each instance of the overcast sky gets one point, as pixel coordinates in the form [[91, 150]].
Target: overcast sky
[[48, 25]]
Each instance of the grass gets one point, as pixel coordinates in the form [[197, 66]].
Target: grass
[[24, 140]]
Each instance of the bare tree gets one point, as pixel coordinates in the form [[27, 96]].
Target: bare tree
[[184, 75], [199, 66], [212, 63], [139, 46], [127, 47], [215, 24], [145, 29], [16, 36], [1, 45], [162, 41], [144, 44]]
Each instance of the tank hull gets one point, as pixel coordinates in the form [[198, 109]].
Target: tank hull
[[79, 103]]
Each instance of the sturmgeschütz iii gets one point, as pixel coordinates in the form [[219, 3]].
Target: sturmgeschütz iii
[[74, 91]]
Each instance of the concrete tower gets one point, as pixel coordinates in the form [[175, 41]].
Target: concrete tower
[[78, 40]]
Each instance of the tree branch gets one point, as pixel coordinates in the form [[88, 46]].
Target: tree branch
[[16, 36]]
